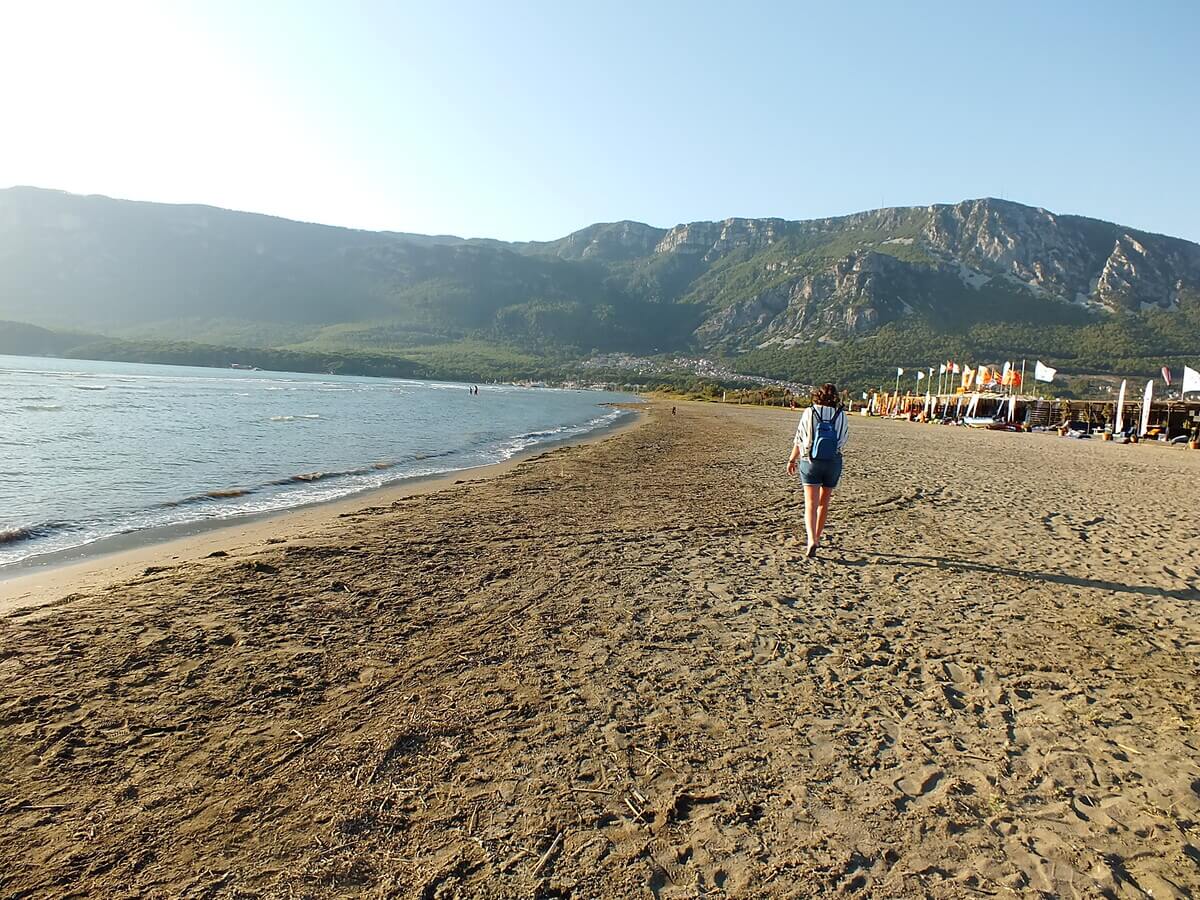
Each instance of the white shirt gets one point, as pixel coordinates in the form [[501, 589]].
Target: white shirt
[[804, 428]]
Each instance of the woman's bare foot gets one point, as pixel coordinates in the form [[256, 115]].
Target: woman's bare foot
[[811, 551]]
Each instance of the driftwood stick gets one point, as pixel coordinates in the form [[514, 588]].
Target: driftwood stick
[[637, 813], [655, 756], [541, 863]]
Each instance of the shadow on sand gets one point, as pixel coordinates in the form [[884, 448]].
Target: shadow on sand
[[963, 565]]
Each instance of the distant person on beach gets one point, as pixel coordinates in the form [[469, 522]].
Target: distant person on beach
[[820, 437], [672, 410]]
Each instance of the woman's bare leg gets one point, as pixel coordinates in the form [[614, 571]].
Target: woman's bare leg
[[812, 493], [823, 498]]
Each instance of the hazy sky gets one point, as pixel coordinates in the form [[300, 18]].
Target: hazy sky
[[528, 120]]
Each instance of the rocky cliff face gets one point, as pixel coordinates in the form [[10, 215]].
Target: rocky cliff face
[[605, 242], [848, 297], [831, 279], [1069, 257], [711, 240]]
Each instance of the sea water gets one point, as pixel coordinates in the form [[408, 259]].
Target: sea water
[[90, 450]]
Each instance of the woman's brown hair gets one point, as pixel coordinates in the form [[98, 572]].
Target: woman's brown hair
[[826, 395]]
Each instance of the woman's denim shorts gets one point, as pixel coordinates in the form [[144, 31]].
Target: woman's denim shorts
[[823, 472]]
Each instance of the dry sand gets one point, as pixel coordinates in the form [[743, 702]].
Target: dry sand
[[610, 672]]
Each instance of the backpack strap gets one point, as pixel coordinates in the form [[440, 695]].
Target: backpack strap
[[812, 431]]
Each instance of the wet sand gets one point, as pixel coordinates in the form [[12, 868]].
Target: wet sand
[[610, 672]]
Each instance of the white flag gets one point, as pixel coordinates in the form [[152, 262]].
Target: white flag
[[899, 371], [957, 369], [1191, 380], [942, 369], [920, 375], [1146, 398], [1119, 424], [1043, 372]]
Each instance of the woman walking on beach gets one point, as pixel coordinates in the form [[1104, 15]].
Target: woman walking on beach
[[820, 437]]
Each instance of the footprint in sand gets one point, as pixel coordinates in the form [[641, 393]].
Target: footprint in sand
[[917, 784]]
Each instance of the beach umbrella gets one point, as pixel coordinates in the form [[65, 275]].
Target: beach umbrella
[[1166, 374]]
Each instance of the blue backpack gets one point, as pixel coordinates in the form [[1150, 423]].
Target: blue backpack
[[824, 444]]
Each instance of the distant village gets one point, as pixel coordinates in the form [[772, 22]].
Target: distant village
[[643, 367]]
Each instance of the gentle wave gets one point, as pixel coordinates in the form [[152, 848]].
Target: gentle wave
[[30, 532], [208, 497], [530, 439], [42, 407]]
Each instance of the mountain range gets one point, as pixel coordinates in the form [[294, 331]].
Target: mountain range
[[775, 296]]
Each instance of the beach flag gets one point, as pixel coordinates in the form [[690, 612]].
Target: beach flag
[[968, 377], [899, 371], [942, 369], [1191, 380], [1119, 424], [1146, 398], [955, 368], [1166, 373], [920, 374], [1043, 372]]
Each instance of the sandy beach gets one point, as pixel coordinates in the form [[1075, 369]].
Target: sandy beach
[[609, 671]]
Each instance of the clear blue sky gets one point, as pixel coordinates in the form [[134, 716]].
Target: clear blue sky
[[528, 120]]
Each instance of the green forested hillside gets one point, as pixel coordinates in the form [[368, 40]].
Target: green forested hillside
[[846, 298], [1134, 344]]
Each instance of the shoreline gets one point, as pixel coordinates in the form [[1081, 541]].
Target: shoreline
[[47, 578]]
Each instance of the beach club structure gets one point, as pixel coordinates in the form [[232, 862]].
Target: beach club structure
[[996, 398]]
